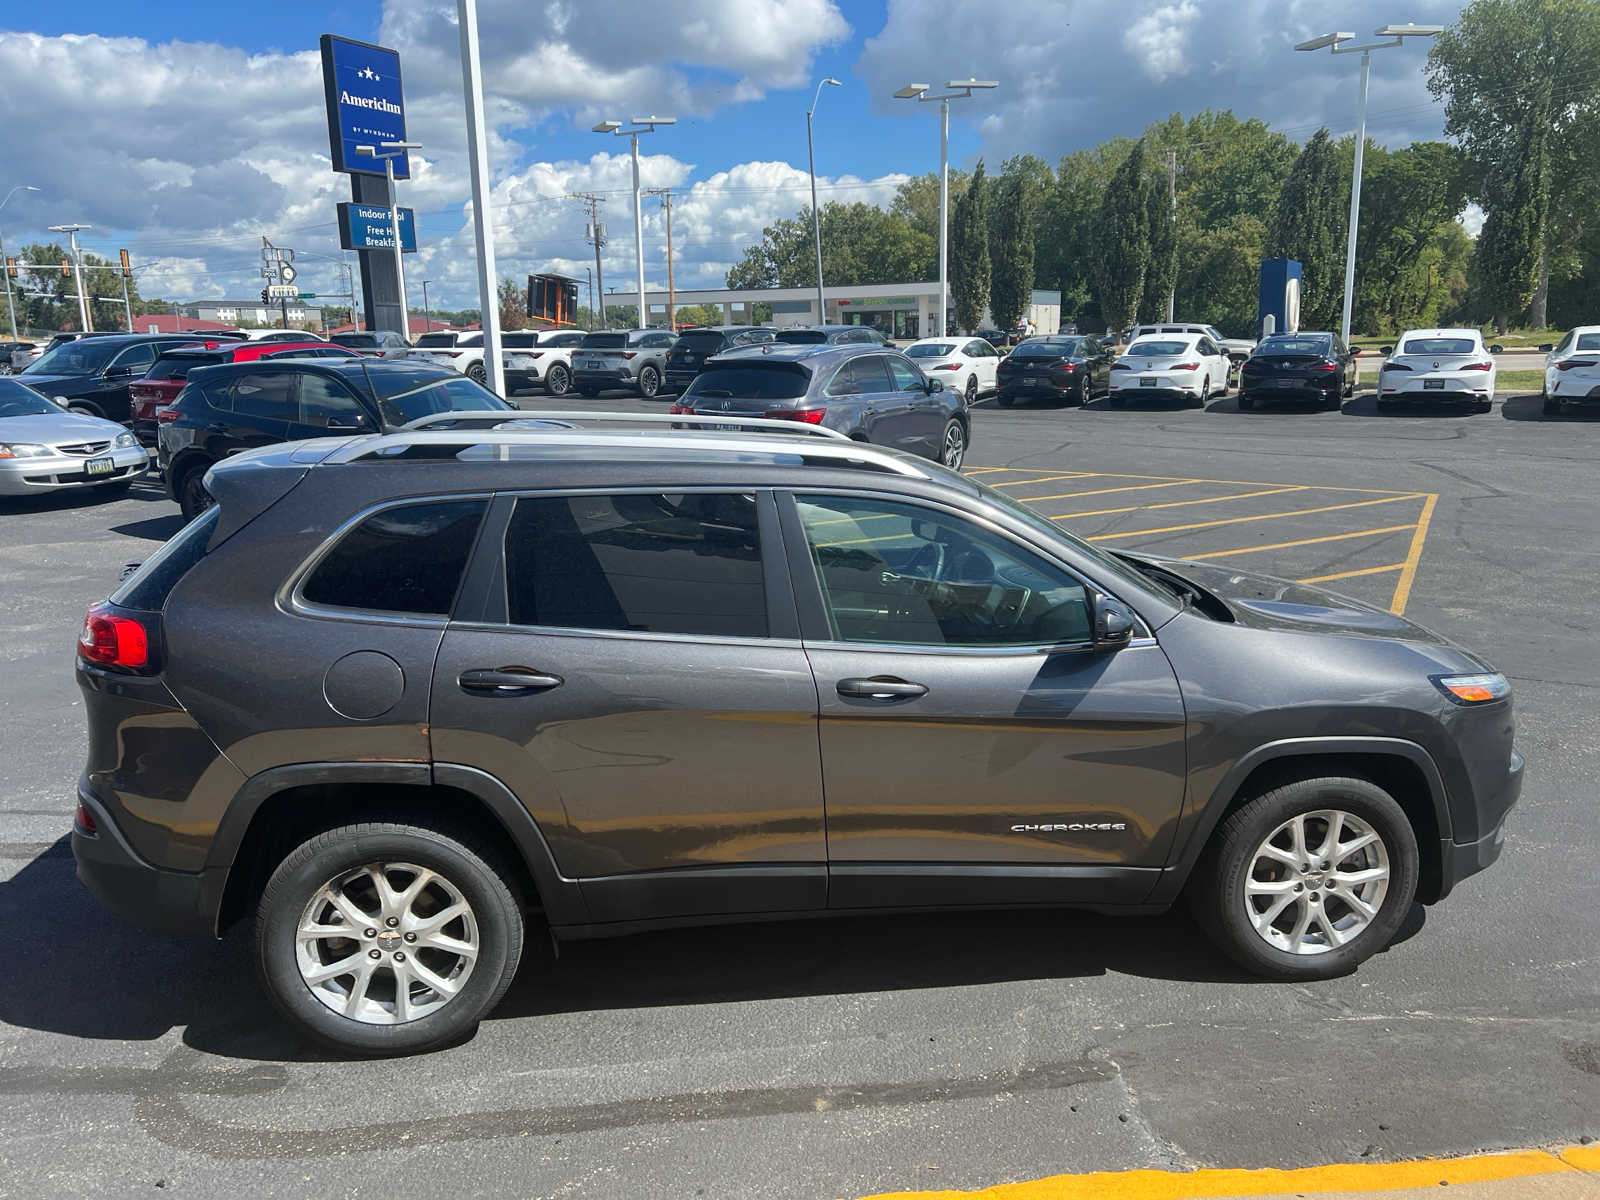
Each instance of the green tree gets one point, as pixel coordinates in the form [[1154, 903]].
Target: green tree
[[861, 244], [1518, 83], [1306, 226], [969, 253], [699, 314], [1161, 274], [1408, 235], [1219, 273], [513, 304], [1011, 286], [1122, 229], [916, 201]]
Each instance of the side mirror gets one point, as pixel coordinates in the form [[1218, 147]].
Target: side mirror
[[61, 400], [1497, 349], [1547, 347], [1385, 349], [116, 372], [1113, 624], [935, 385]]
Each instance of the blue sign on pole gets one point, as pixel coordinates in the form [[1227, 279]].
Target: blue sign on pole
[[369, 227], [361, 83]]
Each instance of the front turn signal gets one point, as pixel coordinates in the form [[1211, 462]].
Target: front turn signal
[[1473, 689]]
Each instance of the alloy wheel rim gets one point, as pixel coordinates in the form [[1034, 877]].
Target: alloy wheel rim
[[972, 389], [558, 381], [647, 382], [1316, 882], [955, 446], [387, 943]]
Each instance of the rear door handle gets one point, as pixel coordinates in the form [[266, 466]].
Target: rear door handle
[[506, 681], [885, 687]]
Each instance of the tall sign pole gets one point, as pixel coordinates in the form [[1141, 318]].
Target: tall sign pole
[[478, 156]]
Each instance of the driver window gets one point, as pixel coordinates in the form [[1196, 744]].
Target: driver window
[[136, 358], [900, 574]]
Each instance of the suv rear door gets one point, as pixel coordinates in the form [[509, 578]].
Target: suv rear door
[[627, 663], [246, 411], [966, 719]]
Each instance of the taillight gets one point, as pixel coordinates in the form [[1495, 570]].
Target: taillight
[[1394, 366], [1117, 366], [681, 410], [1486, 366], [807, 416], [166, 414], [84, 821], [1567, 364], [535, 353], [1186, 367], [112, 640], [1326, 366], [946, 367], [630, 354]]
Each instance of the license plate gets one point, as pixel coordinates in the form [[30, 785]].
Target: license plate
[[99, 466], [592, 364], [1435, 384], [1147, 381]]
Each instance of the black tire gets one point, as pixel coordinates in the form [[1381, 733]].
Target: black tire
[[476, 872], [649, 382], [1205, 395], [1246, 403], [1003, 401], [479, 374], [190, 489], [972, 390], [557, 380], [1081, 396], [1552, 407], [587, 392], [1217, 897], [953, 444], [1332, 402]]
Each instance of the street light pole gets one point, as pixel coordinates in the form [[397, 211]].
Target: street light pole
[[816, 218], [637, 125], [77, 269], [392, 151], [427, 313], [1397, 35], [5, 269], [959, 89]]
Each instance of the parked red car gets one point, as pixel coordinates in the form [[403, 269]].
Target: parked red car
[[167, 375]]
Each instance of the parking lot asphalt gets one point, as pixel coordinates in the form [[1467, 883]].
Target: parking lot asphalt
[[843, 1058]]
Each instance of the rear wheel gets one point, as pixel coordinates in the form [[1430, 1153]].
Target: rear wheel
[[479, 374], [972, 390], [1117, 400], [1552, 407], [1246, 403], [1003, 400], [1308, 880], [557, 380], [649, 382], [953, 445], [1332, 402], [386, 938], [588, 392], [1205, 395], [193, 498]]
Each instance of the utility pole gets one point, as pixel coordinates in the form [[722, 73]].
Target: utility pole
[[672, 291], [127, 273], [1172, 196], [594, 232], [589, 274]]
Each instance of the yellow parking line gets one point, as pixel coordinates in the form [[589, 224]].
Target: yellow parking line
[[1402, 589], [1047, 478], [1105, 512], [1295, 512], [1330, 537], [1352, 574], [1339, 1177], [1130, 487], [1321, 487]]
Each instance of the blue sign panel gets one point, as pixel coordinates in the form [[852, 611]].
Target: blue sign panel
[[369, 227], [362, 87], [1279, 297]]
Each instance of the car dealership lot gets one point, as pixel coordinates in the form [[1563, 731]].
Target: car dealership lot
[[847, 1057]]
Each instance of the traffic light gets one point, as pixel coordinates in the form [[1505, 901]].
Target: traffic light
[[127, 271], [65, 268], [11, 267], [264, 299]]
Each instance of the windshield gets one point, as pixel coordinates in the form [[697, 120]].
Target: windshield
[[365, 341], [1293, 346], [1046, 348], [802, 337], [1157, 349], [1439, 345], [17, 400], [404, 395], [84, 356], [779, 381], [931, 349]]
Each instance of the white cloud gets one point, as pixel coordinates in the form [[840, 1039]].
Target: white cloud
[[1162, 41]]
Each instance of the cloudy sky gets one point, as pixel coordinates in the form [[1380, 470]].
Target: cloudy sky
[[187, 129]]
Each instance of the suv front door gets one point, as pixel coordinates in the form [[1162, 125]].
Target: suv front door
[[665, 738], [966, 719]]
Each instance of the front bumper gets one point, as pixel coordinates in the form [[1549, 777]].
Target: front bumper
[[1458, 860], [27, 476], [181, 903]]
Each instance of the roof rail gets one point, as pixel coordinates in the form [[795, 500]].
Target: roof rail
[[492, 420]]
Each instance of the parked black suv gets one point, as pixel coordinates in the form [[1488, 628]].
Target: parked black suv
[[91, 374], [225, 409], [694, 346], [394, 692]]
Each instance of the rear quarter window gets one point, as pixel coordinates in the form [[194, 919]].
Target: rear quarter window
[[406, 560], [147, 589]]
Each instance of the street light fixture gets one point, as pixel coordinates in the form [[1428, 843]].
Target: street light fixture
[[77, 268], [389, 151], [635, 127], [1397, 35], [4, 268], [816, 220], [959, 89]]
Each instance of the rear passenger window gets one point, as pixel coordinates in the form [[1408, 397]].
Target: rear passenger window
[[147, 588], [267, 396], [406, 559], [688, 563]]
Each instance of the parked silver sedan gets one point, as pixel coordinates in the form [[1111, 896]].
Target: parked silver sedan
[[44, 447]]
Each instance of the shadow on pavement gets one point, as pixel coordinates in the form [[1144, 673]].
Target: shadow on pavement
[[1366, 405], [155, 529], [1531, 408]]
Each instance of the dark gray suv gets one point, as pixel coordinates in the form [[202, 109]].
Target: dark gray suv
[[393, 694], [869, 393]]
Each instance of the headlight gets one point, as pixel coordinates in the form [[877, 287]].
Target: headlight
[[124, 441], [22, 450], [1473, 689]]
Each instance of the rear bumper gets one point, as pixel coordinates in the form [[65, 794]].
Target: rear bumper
[[1577, 395], [679, 378], [172, 902], [604, 379], [1288, 390], [1458, 860], [1155, 393], [1417, 395], [1019, 391]]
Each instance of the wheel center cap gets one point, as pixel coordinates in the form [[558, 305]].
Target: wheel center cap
[[1315, 879], [389, 939]]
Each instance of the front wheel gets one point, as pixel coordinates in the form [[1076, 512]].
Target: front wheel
[[649, 382], [385, 938], [953, 444], [1309, 880], [193, 497], [557, 380]]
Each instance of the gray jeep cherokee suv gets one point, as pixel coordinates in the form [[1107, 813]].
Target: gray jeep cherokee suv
[[395, 693]]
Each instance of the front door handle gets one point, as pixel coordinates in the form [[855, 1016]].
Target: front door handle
[[883, 687], [506, 681]]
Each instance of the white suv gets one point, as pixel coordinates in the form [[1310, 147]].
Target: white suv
[[1451, 365], [528, 357], [1237, 349]]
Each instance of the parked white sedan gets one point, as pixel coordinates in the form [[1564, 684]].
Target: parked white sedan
[[1185, 366], [1572, 370], [1437, 366], [964, 365]]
